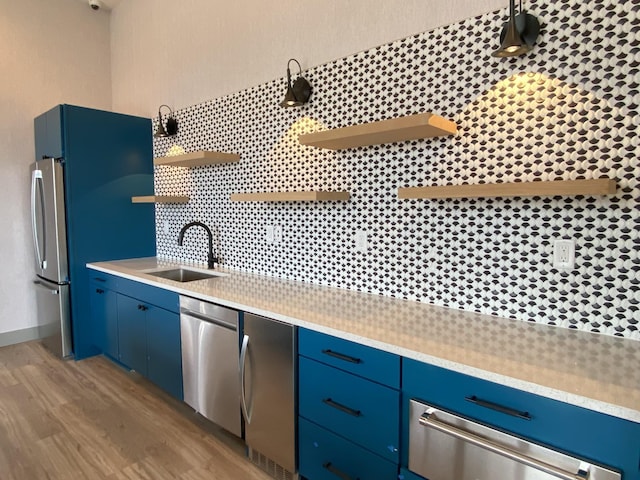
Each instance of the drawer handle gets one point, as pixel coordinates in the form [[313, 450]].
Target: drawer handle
[[342, 408], [99, 290], [429, 419], [498, 408], [341, 356], [98, 279], [144, 308], [337, 472]]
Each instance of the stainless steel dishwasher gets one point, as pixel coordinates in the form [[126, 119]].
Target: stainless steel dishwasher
[[210, 353], [444, 446]]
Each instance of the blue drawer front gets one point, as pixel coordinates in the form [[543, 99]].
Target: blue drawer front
[[104, 279], [326, 456], [153, 295], [364, 412], [594, 436], [371, 363]]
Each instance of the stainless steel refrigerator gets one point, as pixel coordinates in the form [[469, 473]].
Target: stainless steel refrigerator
[[88, 165], [50, 245], [267, 368]]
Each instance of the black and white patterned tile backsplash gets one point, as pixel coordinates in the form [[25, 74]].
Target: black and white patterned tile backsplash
[[567, 110]]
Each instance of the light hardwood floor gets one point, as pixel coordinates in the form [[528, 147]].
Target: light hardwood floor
[[72, 420]]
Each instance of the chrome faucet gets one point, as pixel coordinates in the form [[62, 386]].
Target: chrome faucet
[[211, 260]]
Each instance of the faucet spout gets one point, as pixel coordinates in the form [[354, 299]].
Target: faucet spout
[[211, 260]]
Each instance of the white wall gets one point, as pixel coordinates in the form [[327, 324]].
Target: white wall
[[161, 51], [183, 53], [51, 52]]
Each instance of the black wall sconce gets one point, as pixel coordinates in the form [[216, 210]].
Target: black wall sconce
[[519, 34], [172, 124], [297, 94]]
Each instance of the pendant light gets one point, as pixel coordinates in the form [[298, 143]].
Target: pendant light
[[172, 124], [519, 34], [297, 94]]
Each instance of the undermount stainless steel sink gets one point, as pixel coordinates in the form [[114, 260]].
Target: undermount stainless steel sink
[[184, 274]]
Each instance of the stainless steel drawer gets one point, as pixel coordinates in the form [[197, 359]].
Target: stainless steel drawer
[[443, 446]]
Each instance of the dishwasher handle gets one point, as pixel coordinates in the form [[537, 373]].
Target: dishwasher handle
[[204, 318], [243, 395], [428, 419]]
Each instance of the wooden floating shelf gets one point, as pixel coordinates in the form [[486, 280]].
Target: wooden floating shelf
[[601, 186], [159, 199], [412, 127], [197, 159], [290, 196]]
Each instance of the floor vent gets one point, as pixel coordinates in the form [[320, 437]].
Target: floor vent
[[272, 468]]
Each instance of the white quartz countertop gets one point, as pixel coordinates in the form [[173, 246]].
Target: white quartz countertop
[[594, 371]]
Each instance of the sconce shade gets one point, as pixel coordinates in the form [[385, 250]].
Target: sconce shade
[[518, 35], [172, 125], [160, 132], [299, 93], [290, 99]]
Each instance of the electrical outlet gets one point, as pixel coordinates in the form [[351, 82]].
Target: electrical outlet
[[362, 241], [165, 227], [564, 254], [277, 234], [270, 234]]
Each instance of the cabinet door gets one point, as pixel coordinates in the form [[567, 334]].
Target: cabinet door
[[164, 359], [132, 333], [108, 158], [48, 134], [104, 317]]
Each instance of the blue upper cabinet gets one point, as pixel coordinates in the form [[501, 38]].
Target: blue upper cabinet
[[107, 158], [49, 134]]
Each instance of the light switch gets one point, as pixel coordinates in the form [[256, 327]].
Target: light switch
[[362, 241]]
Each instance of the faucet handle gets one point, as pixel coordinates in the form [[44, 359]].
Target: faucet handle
[[211, 261]]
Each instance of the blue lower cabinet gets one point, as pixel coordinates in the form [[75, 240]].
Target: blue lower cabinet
[[407, 475], [149, 342], [365, 412], [579, 432], [104, 318], [324, 455], [164, 357], [132, 333]]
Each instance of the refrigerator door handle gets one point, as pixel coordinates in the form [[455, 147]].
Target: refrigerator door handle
[[243, 360], [37, 188]]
